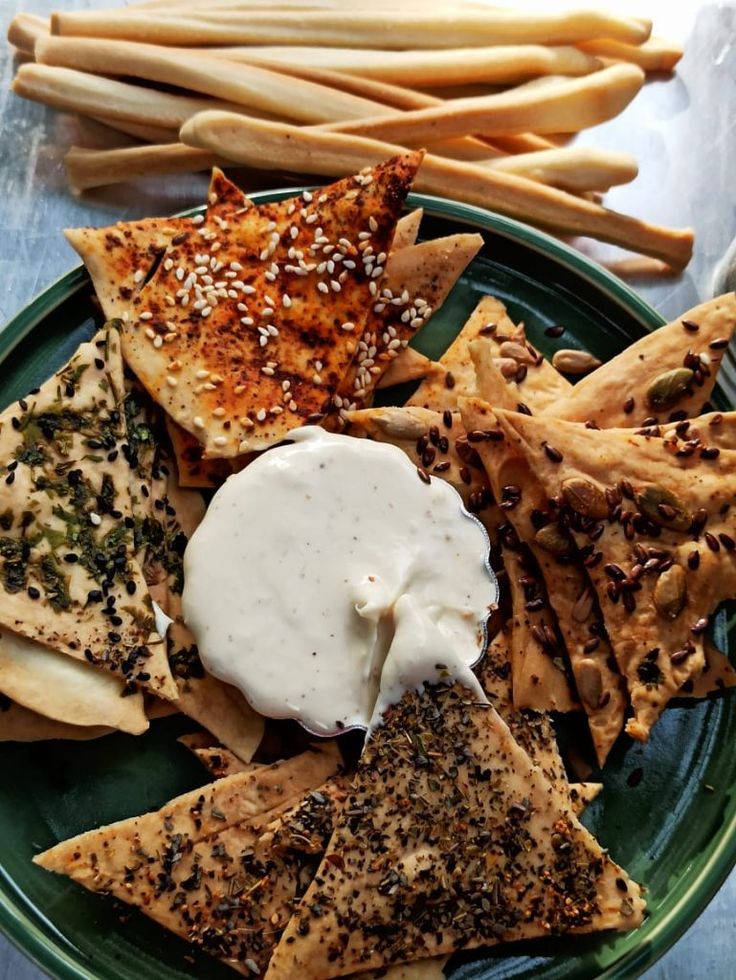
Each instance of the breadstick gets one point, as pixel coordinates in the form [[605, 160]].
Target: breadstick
[[248, 85], [140, 131], [653, 55], [276, 145], [566, 105], [397, 29], [94, 168], [25, 30], [571, 168], [76, 91], [504, 65]]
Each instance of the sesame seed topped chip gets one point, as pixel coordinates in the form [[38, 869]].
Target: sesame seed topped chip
[[262, 330]]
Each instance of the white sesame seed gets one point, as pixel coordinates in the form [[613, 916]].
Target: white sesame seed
[[285, 385], [267, 370], [231, 293], [318, 365], [208, 386], [335, 285], [220, 440], [286, 300], [270, 276], [158, 342], [274, 331], [293, 405], [293, 231], [199, 304], [307, 195], [416, 322], [238, 390], [198, 219], [276, 410], [323, 287], [171, 381], [267, 311], [242, 307], [337, 399], [363, 236], [291, 209], [138, 276], [263, 340], [218, 412], [180, 273], [95, 519], [206, 311], [372, 223], [202, 374], [215, 247], [378, 271], [247, 321], [348, 326], [264, 254], [150, 334], [311, 218], [317, 379], [248, 290], [198, 422], [261, 414]]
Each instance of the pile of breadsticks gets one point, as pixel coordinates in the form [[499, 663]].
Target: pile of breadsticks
[[318, 87]]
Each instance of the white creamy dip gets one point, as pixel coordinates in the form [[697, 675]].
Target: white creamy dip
[[292, 577]]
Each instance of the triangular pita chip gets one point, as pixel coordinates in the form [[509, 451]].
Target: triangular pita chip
[[417, 282], [432, 855], [243, 334], [120, 257], [69, 578], [229, 889], [669, 372], [216, 759], [19, 724], [410, 365], [407, 229], [66, 690], [534, 379], [656, 531], [567, 591]]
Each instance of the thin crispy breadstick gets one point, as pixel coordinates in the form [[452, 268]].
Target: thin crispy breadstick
[[94, 168], [568, 105], [25, 30], [311, 150], [91, 95], [572, 168], [641, 267], [396, 29], [522, 142], [247, 85], [655, 54], [504, 65], [141, 131]]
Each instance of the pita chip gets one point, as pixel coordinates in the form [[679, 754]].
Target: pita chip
[[69, 576], [409, 365], [665, 376], [120, 257], [66, 690], [424, 863], [216, 759], [240, 364], [193, 469], [407, 229], [564, 586], [19, 724], [230, 890], [417, 282], [718, 674], [664, 559]]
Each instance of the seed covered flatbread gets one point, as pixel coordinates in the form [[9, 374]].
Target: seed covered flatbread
[[568, 591], [69, 578], [404, 877], [417, 282], [121, 257], [409, 365], [656, 528], [225, 879], [216, 759], [242, 333], [669, 374]]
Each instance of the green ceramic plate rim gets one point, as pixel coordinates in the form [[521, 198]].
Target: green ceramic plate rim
[[691, 896]]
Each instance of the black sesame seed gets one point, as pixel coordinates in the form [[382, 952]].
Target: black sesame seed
[[553, 454], [449, 380], [693, 560], [710, 452], [71, 558], [712, 541], [629, 405], [447, 418], [727, 541], [523, 409], [423, 475], [10, 478], [719, 343], [33, 592]]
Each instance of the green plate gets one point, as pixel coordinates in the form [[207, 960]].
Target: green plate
[[667, 812]]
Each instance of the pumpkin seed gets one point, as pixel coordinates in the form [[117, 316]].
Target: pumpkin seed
[[670, 592], [399, 424], [585, 497], [668, 389], [583, 607], [589, 681], [553, 539], [574, 361], [663, 507]]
